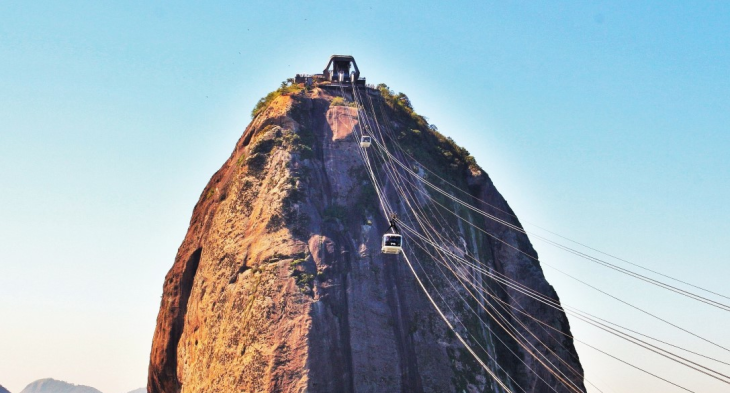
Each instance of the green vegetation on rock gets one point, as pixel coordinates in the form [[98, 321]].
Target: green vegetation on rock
[[287, 87], [339, 101], [423, 140]]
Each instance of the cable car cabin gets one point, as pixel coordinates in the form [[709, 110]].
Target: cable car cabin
[[392, 243], [365, 141]]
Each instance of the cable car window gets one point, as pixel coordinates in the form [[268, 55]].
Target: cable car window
[[393, 241]]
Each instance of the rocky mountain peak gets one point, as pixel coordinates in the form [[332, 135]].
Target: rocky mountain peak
[[280, 285]]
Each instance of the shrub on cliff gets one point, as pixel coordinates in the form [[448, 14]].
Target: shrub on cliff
[[423, 140], [401, 102], [337, 101], [340, 101], [287, 87]]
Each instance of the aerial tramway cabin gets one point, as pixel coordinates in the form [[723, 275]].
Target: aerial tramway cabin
[[392, 240], [392, 243], [365, 141]]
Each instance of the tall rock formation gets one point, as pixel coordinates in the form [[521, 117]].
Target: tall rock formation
[[280, 286]]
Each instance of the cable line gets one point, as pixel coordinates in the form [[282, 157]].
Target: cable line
[[582, 282], [599, 261], [401, 191], [459, 189], [486, 368], [421, 214]]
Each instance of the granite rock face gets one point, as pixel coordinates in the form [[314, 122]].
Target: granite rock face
[[280, 286]]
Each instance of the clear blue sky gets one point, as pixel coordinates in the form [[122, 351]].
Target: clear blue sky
[[607, 122]]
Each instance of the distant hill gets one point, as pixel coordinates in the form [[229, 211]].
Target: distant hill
[[50, 385], [3, 390]]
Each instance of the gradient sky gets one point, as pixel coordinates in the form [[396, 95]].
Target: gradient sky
[[607, 122]]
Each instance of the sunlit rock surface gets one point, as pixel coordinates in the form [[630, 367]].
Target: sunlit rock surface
[[280, 286]]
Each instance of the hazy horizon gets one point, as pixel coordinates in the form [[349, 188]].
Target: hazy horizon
[[52, 385]]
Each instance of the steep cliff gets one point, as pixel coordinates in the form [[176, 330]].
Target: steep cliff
[[280, 286]]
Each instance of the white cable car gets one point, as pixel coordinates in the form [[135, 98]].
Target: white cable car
[[392, 243], [365, 141]]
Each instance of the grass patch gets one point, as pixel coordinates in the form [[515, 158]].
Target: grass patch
[[337, 101], [340, 101]]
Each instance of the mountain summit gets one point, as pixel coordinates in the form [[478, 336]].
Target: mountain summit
[[50, 385], [280, 284]]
